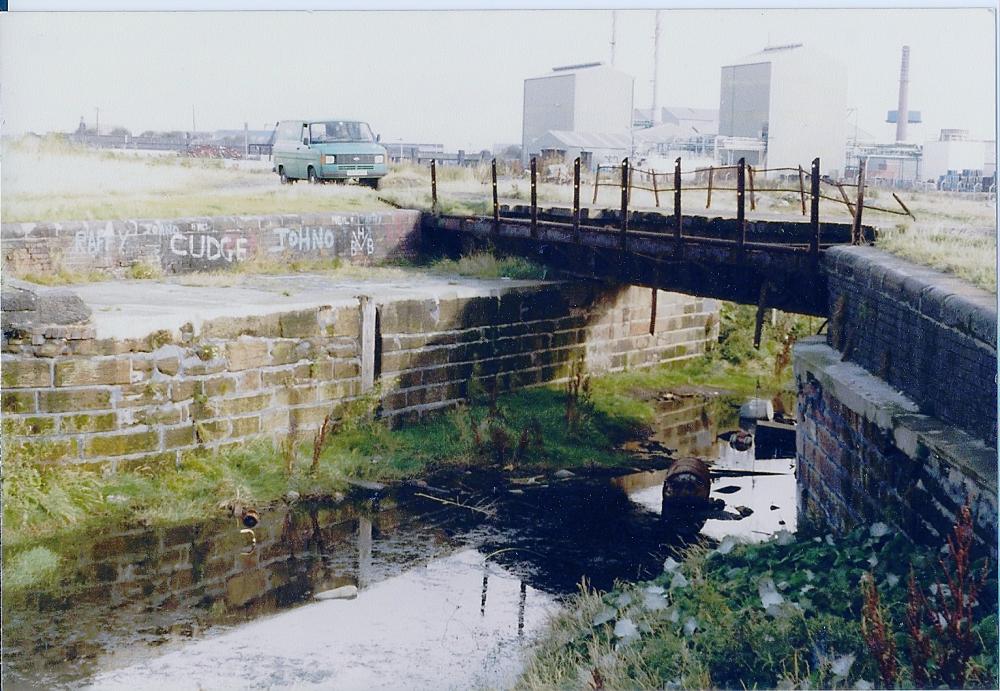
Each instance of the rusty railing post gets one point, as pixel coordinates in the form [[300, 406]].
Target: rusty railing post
[[677, 198], [741, 220], [496, 199], [576, 199], [624, 186], [802, 189], [814, 208], [708, 202], [597, 178], [434, 187], [534, 198], [859, 207], [656, 189], [753, 197]]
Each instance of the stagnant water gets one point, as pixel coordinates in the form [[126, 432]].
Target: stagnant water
[[449, 596]]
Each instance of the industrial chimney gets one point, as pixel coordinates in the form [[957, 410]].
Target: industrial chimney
[[902, 112]]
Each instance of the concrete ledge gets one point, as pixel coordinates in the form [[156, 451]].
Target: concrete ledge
[[29, 306]]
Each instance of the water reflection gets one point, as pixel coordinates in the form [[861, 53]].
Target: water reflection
[[447, 595]]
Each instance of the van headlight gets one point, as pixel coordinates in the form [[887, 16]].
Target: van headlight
[[329, 159], [379, 158]]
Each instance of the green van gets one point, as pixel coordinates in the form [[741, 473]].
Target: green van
[[320, 150]]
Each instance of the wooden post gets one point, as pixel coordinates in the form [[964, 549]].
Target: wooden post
[[597, 182], [678, 216], [652, 314], [758, 325], [753, 199], [534, 198], [860, 207], [496, 199], [905, 208], [624, 190], [847, 200], [434, 187], [708, 202], [814, 211], [802, 189], [656, 189], [576, 199], [741, 221]]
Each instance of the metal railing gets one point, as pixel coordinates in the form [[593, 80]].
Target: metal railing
[[744, 188]]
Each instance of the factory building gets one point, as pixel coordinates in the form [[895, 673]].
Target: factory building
[[790, 98], [591, 100], [954, 153]]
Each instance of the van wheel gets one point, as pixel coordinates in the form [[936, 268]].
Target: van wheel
[[285, 180], [370, 182], [313, 180]]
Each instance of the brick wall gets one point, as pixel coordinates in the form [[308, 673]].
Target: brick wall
[[866, 454], [210, 243], [147, 401], [929, 335]]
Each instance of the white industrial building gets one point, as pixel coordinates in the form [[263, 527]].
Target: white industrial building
[[791, 98], [591, 99], [953, 152]]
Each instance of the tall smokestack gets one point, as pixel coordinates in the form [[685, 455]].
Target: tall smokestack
[[902, 111], [655, 114]]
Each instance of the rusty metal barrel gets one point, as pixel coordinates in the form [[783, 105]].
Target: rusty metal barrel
[[687, 483]]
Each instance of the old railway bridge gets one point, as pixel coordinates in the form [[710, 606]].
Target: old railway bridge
[[766, 263]]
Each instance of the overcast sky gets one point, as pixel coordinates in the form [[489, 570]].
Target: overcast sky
[[457, 77]]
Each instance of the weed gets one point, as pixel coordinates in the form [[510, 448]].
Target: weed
[[143, 270]]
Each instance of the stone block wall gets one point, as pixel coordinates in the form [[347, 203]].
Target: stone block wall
[[209, 243], [148, 401], [928, 334], [866, 454], [431, 349]]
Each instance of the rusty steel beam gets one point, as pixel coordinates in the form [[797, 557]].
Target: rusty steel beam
[[678, 220], [434, 186], [625, 193], [534, 198], [576, 196], [814, 207], [741, 218]]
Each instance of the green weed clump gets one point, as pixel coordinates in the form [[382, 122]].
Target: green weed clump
[[783, 614], [489, 265]]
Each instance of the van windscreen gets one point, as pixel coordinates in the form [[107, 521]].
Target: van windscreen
[[339, 131]]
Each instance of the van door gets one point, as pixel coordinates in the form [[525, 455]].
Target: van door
[[284, 149], [302, 153]]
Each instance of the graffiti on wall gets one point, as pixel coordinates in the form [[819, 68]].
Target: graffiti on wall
[[362, 242], [227, 248], [304, 239]]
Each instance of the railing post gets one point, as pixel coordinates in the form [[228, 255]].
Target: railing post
[[434, 187], [576, 199], [802, 189], [814, 208], [656, 189], [859, 207], [496, 199], [741, 221], [677, 198], [624, 186], [753, 197], [708, 202], [597, 179], [534, 198]]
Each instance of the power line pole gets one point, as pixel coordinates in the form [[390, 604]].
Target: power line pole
[[614, 33], [655, 115]]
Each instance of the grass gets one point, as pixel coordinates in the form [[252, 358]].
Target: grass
[[489, 265], [968, 253], [705, 624], [53, 180]]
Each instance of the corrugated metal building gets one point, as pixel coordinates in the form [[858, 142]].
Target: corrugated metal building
[[792, 98], [588, 98]]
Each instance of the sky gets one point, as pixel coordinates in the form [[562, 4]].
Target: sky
[[456, 77]]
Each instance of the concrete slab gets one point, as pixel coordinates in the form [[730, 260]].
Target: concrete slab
[[134, 309]]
